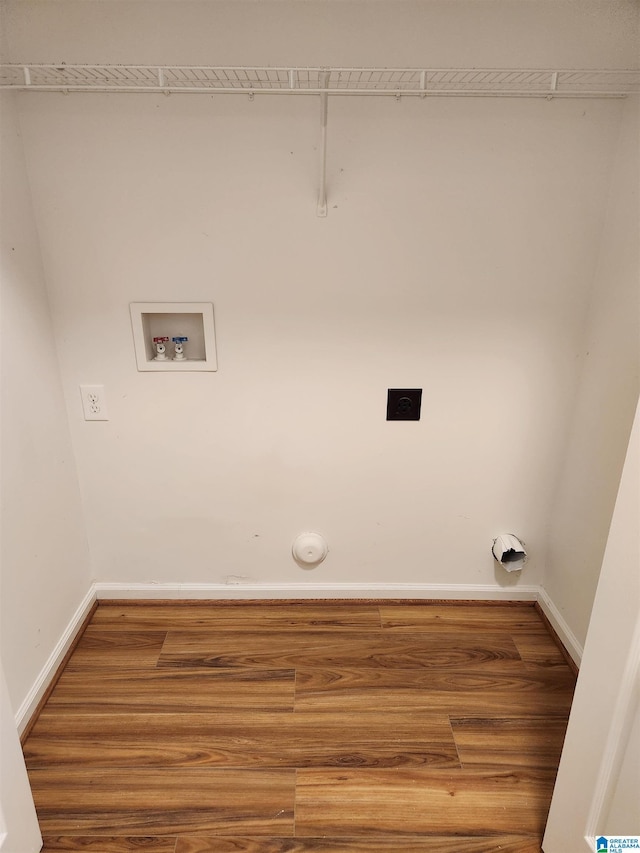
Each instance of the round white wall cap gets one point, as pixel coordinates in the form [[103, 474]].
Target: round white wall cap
[[309, 549]]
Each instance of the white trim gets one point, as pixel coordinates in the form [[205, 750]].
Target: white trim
[[33, 697], [625, 711], [569, 639], [461, 592]]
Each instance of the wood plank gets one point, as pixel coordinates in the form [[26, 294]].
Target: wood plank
[[335, 650], [128, 802], [241, 740], [522, 742], [454, 802], [573, 666], [117, 649], [469, 619], [520, 691], [174, 691], [221, 844], [255, 617], [370, 844], [539, 650], [108, 844]]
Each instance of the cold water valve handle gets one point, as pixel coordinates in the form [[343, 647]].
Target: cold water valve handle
[[179, 341], [159, 344]]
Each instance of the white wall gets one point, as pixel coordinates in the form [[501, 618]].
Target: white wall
[[19, 831], [601, 751], [45, 561], [353, 33], [623, 817], [606, 396], [458, 256]]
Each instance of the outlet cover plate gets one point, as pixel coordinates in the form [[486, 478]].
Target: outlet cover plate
[[94, 403], [403, 404]]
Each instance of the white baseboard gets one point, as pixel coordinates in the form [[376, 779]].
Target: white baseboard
[[569, 639], [240, 591], [28, 707]]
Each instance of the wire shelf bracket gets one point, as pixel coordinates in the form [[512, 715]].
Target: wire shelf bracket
[[324, 106]]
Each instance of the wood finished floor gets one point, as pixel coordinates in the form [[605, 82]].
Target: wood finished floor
[[292, 728]]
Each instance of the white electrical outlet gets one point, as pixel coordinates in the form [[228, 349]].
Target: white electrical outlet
[[94, 403]]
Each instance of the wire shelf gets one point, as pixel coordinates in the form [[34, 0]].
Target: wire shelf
[[333, 81]]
